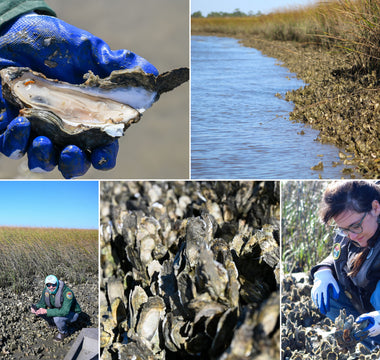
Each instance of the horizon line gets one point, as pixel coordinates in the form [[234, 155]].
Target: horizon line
[[49, 227]]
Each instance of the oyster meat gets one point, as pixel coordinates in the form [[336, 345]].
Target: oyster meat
[[91, 114]]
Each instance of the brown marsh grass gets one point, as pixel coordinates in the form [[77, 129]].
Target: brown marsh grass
[[350, 25], [27, 253]]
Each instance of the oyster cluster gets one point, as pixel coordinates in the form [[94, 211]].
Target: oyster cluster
[[307, 334], [90, 114], [340, 100], [190, 270], [298, 337], [348, 332]]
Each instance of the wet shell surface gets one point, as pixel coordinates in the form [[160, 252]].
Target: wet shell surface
[[88, 115]]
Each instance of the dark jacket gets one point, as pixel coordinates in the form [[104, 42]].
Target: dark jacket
[[10, 9], [359, 288], [67, 304]]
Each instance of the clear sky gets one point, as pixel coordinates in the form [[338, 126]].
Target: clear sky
[[265, 6], [68, 204]]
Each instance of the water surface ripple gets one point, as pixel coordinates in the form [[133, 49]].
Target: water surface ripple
[[239, 128]]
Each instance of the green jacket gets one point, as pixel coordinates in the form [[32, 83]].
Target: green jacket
[[9, 9], [69, 303]]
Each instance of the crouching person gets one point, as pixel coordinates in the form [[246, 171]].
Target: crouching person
[[57, 306]]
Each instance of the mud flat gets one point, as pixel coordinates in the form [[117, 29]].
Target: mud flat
[[305, 333], [340, 100], [24, 336]]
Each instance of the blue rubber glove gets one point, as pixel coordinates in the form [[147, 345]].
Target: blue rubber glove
[[373, 322], [64, 52], [323, 281]]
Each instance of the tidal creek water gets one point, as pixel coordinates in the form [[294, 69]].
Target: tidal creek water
[[240, 129]]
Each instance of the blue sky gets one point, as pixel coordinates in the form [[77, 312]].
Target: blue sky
[[68, 204], [244, 5]]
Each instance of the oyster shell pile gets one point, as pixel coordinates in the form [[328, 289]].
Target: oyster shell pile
[[90, 114], [348, 332], [190, 270], [307, 334]]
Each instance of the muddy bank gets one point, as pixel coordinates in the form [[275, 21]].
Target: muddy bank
[[305, 333], [24, 336], [341, 101]]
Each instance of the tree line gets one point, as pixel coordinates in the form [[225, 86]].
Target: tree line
[[235, 13]]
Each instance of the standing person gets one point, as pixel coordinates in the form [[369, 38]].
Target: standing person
[[349, 277], [57, 306]]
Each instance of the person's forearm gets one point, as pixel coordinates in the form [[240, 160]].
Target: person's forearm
[[10, 9]]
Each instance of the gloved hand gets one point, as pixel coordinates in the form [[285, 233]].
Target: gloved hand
[[374, 322], [323, 281], [64, 52]]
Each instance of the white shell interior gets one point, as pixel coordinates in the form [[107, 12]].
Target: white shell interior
[[90, 107], [138, 98]]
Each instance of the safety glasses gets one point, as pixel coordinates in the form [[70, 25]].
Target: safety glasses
[[354, 228]]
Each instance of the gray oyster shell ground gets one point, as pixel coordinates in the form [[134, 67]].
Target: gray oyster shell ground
[[56, 124], [190, 270], [23, 336]]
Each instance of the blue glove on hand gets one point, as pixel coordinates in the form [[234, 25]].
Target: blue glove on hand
[[323, 281], [374, 322], [64, 52]]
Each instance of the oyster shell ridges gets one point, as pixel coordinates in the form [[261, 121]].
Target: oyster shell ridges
[[182, 268]]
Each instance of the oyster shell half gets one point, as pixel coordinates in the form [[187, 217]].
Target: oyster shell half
[[90, 114]]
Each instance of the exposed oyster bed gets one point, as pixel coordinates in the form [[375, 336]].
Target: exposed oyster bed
[[341, 102], [91, 114], [24, 336], [306, 334], [190, 270]]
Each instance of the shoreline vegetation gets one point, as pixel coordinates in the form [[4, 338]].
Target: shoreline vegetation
[[28, 253], [334, 47], [306, 241]]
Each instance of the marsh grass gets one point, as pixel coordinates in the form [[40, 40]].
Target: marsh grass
[[27, 253], [348, 25], [305, 240], [299, 24], [358, 31]]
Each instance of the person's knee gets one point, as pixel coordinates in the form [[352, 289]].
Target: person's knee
[[60, 321], [74, 318]]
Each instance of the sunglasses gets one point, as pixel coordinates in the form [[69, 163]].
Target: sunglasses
[[51, 285]]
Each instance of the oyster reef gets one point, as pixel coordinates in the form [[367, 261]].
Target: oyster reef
[[90, 114], [190, 270], [307, 334]]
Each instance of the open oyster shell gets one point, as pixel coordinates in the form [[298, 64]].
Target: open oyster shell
[[91, 114]]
